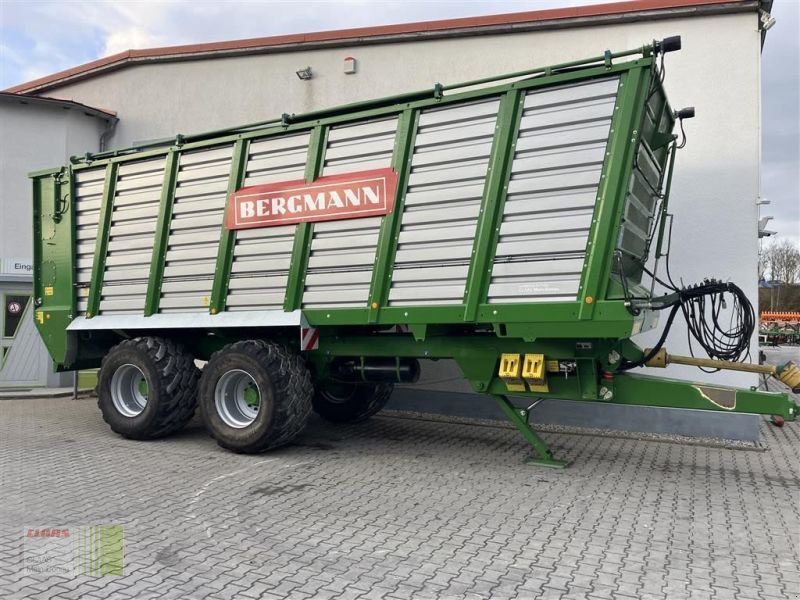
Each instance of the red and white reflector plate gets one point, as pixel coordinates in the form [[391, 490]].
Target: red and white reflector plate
[[309, 338]]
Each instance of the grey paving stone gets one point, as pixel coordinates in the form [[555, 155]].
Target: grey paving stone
[[402, 508]]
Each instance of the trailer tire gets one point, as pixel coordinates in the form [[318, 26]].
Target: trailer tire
[[147, 388], [255, 395], [340, 402]]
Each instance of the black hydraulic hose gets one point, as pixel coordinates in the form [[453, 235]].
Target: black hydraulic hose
[[627, 365], [702, 307]]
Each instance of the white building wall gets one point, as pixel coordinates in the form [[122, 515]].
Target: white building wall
[[33, 136], [718, 71]]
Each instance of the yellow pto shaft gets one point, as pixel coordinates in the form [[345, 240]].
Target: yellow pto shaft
[[788, 373]]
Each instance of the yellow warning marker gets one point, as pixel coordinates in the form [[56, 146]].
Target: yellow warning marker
[[533, 372], [510, 372]]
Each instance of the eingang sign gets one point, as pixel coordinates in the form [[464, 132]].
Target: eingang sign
[[16, 266], [333, 197]]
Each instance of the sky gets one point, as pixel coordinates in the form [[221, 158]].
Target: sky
[[39, 37]]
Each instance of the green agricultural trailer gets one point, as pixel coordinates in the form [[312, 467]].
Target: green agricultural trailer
[[505, 223]]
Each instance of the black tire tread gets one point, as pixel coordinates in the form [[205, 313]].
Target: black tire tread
[[178, 377], [292, 388], [369, 400]]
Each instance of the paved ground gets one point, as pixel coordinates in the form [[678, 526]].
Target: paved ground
[[778, 355], [402, 508]]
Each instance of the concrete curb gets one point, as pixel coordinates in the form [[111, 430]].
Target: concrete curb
[[44, 393]]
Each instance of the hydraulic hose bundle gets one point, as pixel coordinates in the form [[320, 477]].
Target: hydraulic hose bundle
[[720, 341], [702, 306]]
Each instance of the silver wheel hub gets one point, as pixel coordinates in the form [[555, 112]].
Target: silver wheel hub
[[129, 390], [237, 398]]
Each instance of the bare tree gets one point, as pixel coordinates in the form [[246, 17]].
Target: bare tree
[[782, 260], [763, 262]]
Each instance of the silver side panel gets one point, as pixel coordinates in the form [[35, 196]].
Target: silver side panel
[[197, 214], [360, 146], [133, 223], [89, 185], [261, 256], [551, 196], [640, 202], [275, 159], [644, 188], [442, 203], [348, 244]]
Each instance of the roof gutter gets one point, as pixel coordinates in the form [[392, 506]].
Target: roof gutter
[[58, 102]]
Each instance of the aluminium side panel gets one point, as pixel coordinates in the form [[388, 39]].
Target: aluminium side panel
[[194, 229], [342, 255], [552, 192], [261, 256], [646, 185], [88, 198], [135, 206], [443, 203], [543, 231]]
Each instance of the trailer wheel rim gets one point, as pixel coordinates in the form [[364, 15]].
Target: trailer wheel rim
[[129, 390], [237, 398]]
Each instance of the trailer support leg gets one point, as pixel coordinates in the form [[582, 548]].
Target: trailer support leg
[[542, 455]]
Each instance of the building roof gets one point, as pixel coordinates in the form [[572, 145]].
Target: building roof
[[58, 102], [578, 16]]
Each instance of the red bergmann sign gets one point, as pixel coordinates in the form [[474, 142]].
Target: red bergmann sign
[[330, 198]]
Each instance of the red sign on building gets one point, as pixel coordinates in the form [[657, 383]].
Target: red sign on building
[[330, 198]]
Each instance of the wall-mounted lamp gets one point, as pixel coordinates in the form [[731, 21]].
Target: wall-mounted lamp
[[304, 74], [767, 20]]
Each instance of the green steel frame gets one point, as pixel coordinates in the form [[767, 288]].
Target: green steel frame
[[499, 172], [542, 455], [591, 333], [622, 144], [305, 231], [390, 228], [99, 266], [153, 298], [227, 237]]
